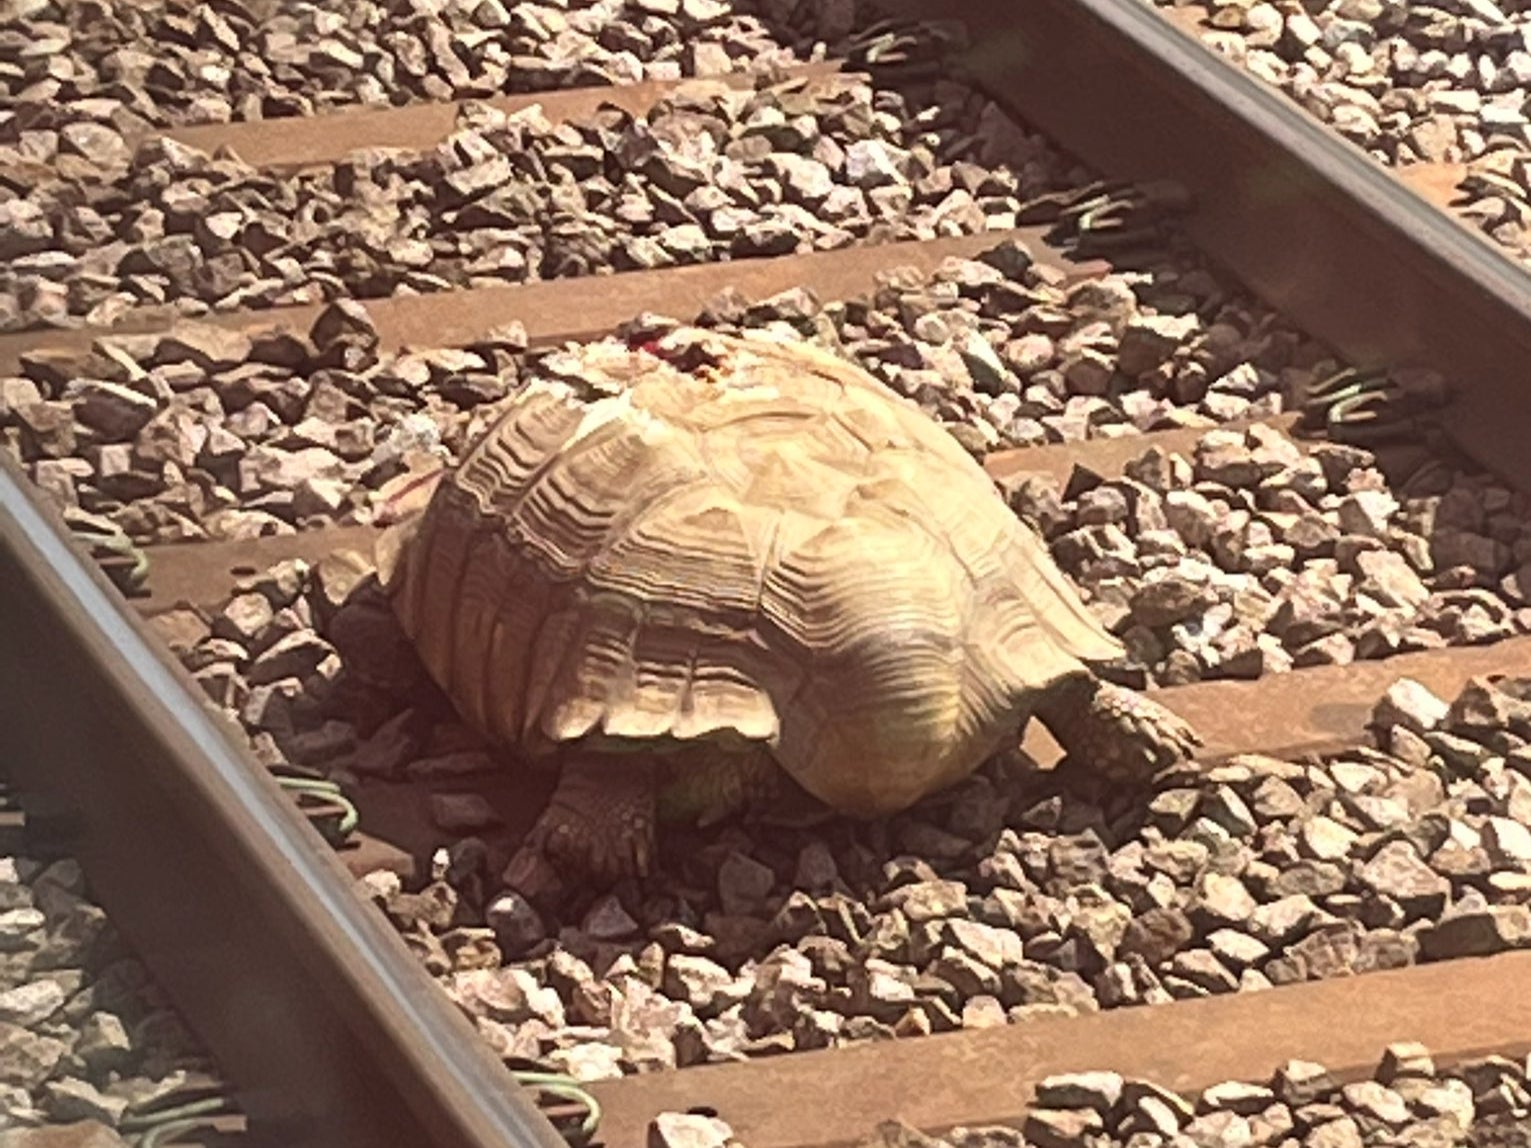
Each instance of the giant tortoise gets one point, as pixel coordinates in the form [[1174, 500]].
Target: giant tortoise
[[741, 557]]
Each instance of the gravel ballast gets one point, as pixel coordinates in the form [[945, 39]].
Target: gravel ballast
[[1013, 896], [86, 1039], [1252, 556], [713, 174], [1409, 82], [73, 73]]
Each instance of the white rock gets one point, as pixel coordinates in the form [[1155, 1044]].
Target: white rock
[[688, 1130], [1507, 838], [1411, 705], [32, 1003]]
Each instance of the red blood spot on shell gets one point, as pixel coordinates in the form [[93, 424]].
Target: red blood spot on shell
[[691, 358], [396, 507]]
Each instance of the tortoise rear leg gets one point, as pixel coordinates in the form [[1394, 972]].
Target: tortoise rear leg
[[598, 825], [1116, 733]]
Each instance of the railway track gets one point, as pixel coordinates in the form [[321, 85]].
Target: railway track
[[225, 350]]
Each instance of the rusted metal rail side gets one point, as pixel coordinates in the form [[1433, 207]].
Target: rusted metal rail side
[[1302, 217], [331, 1030]]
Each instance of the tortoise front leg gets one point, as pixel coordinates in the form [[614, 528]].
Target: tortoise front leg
[[1114, 733], [598, 825]]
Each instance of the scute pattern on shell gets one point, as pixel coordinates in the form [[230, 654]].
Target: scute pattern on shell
[[748, 541]]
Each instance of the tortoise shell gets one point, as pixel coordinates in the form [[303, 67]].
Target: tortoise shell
[[743, 541]]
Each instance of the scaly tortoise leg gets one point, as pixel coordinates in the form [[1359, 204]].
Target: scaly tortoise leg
[[1116, 733], [598, 825]]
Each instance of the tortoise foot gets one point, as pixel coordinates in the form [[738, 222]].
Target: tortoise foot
[[1117, 733], [598, 827]]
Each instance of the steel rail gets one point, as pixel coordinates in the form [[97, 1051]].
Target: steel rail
[[1304, 218], [302, 991]]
